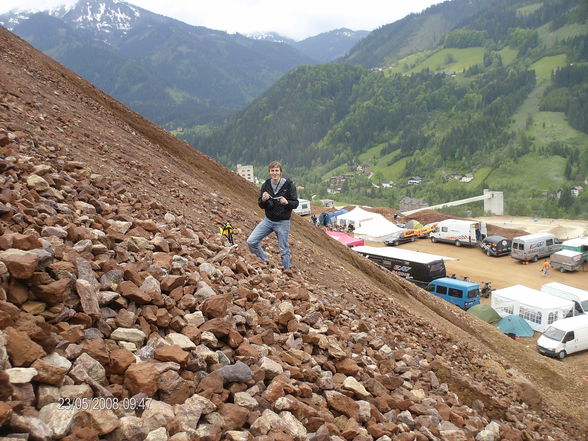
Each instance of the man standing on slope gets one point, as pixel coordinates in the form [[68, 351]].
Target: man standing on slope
[[278, 198]]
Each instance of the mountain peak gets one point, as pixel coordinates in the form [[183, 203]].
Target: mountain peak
[[270, 36], [110, 17]]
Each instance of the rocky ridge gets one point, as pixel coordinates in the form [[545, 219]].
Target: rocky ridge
[[124, 316]]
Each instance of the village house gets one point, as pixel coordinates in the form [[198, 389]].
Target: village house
[[468, 177], [577, 190], [246, 171], [407, 204]]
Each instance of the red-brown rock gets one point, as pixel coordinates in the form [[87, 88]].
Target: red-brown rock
[[55, 292], [21, 264], [215, 307], [234, 416], [21, 349], [120, 360], [48, 373], [132, 292], [347, 366], [172, 353], [142, 377]]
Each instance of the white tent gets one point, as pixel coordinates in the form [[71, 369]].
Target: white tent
[[356, 217], [538, 308], [378, 229]]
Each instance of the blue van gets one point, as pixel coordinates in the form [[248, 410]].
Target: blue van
[[459, 292]]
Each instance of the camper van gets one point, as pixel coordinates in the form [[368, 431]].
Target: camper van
[[564, 337], [579, 244], [459, 232], [418, 268], [534, 246], [576, 295], [459, 292], [303, 207]]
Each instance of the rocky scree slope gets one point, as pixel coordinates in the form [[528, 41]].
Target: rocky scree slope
[[115, 284]]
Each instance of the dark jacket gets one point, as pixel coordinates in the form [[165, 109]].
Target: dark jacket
[[273, 209]]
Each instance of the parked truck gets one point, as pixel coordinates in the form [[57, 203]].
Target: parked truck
[[459, 232]]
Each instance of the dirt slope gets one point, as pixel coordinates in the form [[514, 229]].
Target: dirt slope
[[102, 154]]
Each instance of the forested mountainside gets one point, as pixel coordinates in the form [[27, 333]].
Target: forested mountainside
[[175, 74], [501, 98], [414, 32], [331, 45]]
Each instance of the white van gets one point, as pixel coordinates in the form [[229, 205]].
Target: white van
[[459, 232], [303, 207], [576, 295], [534, 246], [564, 337]]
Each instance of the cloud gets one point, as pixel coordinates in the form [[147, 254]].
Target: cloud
[[296, 19]]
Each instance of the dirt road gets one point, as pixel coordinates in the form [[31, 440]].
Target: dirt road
[[501, 271], [562, 228]]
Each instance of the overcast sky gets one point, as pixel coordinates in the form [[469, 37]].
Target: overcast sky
[[296, 19]]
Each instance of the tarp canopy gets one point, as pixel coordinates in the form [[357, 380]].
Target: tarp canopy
[[379, 229], [345, 239], [356, 217], [538, 308], [329, 217], [485, 312], [513, 324], [413, 225]]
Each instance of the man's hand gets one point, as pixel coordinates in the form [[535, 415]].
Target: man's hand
[[265, 196], [283, 200]]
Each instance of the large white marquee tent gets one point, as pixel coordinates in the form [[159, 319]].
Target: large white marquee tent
[[378, 229], [356, 217], [538, 308]]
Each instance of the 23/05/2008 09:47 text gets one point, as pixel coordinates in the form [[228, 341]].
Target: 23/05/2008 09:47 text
[[102, 403]]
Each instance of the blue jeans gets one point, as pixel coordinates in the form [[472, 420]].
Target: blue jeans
[[264, 229]]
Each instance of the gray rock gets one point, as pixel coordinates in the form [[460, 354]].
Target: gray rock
[[204, 291], [86, 366], [196, 318], [47, 394], [91, 333], [20, 375], [57, 360], [85, 272], [88, 297], [111, 279], [157, 435], [37, 429], [181, 340], [188, 414], [236, 373], [271, 368], [128, 334], [145, 353], [59, 418], [54, 231], [245, 400]]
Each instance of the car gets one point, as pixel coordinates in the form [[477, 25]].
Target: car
[[496, 246], [403, 236]]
